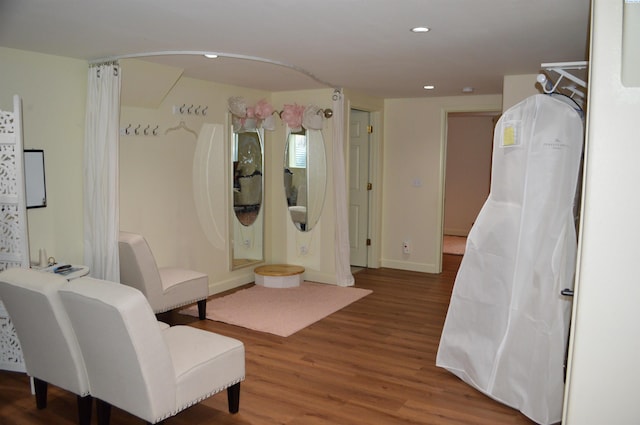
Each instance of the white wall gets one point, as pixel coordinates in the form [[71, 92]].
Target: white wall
[[414, 142], [604, 371], [53, 92], [516, 88], [156, 173], [157, 189]]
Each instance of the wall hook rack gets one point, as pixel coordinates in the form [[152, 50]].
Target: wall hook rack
[[140, 130], [190, 109]]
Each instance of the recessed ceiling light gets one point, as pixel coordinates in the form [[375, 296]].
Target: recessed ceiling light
[[429, 87], [420, 29], [210, 55]]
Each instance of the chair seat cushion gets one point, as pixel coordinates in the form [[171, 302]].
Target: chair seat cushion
[[204, 363], [181, 287], [173, 276]]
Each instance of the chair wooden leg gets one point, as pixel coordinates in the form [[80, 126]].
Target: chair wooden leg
[[103, 409], [41, 393], [84, 409], [233, 396], [202, 309]]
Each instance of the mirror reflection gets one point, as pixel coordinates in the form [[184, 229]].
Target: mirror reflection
[[305, 177], [247, 188]]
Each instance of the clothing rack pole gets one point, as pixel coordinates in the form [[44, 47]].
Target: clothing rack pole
[[561, 69]]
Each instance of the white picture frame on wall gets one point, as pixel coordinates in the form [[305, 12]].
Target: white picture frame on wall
[[34, 178]]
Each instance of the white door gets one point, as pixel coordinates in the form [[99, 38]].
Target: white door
[[358, 186]]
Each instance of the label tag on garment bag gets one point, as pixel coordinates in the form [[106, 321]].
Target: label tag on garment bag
[[510, 134]]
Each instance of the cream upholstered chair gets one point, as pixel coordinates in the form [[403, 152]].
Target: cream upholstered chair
[[166, 288], [49, 346], [135, 365], [250, 192]]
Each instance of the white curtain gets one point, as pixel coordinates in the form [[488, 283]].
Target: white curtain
[[343, 260], [101, 209]]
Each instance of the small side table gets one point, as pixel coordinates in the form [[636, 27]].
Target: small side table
[[74, 272]]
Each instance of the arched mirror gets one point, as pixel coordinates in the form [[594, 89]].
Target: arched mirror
[[247, 194], [305, 177]]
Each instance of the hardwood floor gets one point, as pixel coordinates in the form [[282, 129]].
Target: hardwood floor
[[371, 363]]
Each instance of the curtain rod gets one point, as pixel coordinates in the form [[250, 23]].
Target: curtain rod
[[219, 54]]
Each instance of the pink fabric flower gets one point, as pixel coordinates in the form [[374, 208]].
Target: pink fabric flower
[[251, 112], [263, 109], [292, 116]]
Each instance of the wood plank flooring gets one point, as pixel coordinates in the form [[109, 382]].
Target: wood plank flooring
[[371, 363]]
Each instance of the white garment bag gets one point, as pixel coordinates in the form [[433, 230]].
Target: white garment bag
[[507, 325]]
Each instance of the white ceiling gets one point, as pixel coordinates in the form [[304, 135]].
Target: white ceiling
[[364, 45]]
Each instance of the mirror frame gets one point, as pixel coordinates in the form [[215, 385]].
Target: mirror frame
[[308, 224], [236, 228]]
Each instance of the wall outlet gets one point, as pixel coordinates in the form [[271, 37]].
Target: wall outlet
[[247, 243], [303, 250], [406, 247]]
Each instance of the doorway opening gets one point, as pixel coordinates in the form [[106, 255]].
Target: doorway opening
[[467, 174]]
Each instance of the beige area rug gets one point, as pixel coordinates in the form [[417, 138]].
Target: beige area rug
[[280, 311], [454, 244]]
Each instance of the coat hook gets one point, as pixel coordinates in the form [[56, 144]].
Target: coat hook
[[204, 111], [197, 111], [146, 130], [155, 130], [137, 130], [189, 110], [127, 130], [184, 105]]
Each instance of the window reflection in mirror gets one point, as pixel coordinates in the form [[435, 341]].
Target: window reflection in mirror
[[247, 192], [305, 177]]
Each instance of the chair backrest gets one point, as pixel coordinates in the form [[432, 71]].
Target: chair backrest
[[138, 267], [128, 361], [49, 345], [250, 190]]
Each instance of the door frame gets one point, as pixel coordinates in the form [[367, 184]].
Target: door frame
[[375, 177], [364, 207], [444, 117]]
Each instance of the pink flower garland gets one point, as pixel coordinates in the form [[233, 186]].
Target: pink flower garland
[[261, 115], [263, 109], [292, 116], [243, 114]]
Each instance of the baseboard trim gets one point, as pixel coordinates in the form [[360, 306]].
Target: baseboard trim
[[410, 266], [231, 283], [456, 232]]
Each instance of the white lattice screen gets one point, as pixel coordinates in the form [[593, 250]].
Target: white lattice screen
[[14, 240]]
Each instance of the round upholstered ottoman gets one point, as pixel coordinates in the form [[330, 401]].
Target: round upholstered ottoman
[[278, 275]]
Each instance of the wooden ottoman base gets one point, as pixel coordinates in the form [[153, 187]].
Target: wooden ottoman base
[[278, 275]]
